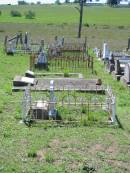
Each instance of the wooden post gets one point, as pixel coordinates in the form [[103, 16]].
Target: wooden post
[[5, 43], [92, 64], [81, 17], [32, 62]]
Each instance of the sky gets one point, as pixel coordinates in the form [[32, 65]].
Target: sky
[[15, 1]]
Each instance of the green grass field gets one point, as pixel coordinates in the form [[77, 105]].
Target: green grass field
[[48, 148], [105, 23], [68, 14]]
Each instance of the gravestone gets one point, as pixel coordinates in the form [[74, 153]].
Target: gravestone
[[42, 61], [105, 51], [127, 73], [128, 44], [20, 81], [40, 110], [52, 109], [29, 74], [117, 67], [10, 50]]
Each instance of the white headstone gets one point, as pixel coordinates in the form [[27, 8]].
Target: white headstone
[[127, 72], [105, 51]]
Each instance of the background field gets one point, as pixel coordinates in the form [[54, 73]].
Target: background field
[[63, 149], [105, 23]]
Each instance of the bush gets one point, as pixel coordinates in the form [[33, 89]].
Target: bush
[[86, 25], [15, 13], [0, 13], [32, 153], [30, 15], [121, 27], [66, 74]]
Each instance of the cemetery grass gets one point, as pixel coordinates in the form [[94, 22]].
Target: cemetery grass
[[52, 148]]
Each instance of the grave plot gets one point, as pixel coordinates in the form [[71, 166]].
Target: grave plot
[[126, 78], [115, 62], [67, 63], [60, 45], [70, 106], [61, 84], [20, 43], [62, 56], [119, 68]]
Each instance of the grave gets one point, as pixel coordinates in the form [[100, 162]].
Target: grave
[[20, 43], [126, 77], [21, 81], [106, 52], [16, 42], [62, 84], [70, 63], [62, 45], [69, 106], [41, 61], [42, 109]]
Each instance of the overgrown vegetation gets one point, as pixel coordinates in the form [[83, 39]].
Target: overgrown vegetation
[[15, 13], [30, 15]]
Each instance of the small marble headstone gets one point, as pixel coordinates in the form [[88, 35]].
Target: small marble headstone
[[127, 73], [105, 51]]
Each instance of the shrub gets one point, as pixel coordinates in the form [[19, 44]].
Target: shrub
[[0, 13], [30, 15], [84, 110], [86, 25], [32, 153], [66, 74], [15, 13], [121, 27], [49, 157]]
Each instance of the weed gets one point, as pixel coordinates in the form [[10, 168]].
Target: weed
[[49, 157], [32, 153]]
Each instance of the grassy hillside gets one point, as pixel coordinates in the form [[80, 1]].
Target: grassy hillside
[[59, 14], [50, 148]]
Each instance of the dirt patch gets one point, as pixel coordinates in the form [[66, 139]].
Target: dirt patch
[[55, 143], [124, 166], [41, 155], [96, 148]]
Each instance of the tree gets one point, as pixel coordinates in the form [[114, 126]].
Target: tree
[[30, 15], [22, 3], [57, 2], [67, 1], [38, 2], [113, 2], [15, 13], [76, 1]]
